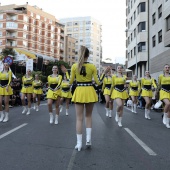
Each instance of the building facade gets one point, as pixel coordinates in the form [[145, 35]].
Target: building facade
[[30, 28], [88, 32]]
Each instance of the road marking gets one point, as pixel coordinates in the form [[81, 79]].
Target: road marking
[[72, 159], [13, 130], [141, 143]]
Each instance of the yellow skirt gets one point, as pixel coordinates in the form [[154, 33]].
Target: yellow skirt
[[27, 90], [107, 92], [3, 91], [146, 93], [66, 94], [53, 94], [133, 93], [37, 91], [84, 94], [164, 95], [122, 95]]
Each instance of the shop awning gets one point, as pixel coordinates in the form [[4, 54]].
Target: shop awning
[[27, 53]]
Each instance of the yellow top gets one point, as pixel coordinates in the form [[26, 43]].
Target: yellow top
[[37, 83], [163, 80], [87, 73], [26, 80], [107, 80], [65, 83], [55, 80], [118, 80], [134, 84], [6, 76], [148, 82]]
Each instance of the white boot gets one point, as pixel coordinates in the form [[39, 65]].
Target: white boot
[[120, 122], [24, 110], [148, 114], [110, 113], [88, 137], [28, 112], [117, 117], [51, 118], [6, 117], [79, 142], [61, 108], [56, 120], [107, 111], [132, 108], [164, 118], [1, 116], [37, 108], [66, 112], [167, 122], [135, 106], [34, 106]]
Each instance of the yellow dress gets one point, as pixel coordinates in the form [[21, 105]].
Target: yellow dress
[[54, 87], [119, 89], [85, 92], [134, 88], [164, 82], [37, 87], [27, 85], [106, 88], [146, 86], [5, 80]]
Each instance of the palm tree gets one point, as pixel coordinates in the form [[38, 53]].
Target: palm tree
[[8, 51]]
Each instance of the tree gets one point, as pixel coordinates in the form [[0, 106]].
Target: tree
[[8, 51]]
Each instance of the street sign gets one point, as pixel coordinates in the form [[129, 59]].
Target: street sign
[[8, 60]]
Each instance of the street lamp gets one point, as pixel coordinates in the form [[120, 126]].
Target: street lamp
[[136, 72]]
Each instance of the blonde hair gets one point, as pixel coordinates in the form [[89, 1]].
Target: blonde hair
[[83, 53]]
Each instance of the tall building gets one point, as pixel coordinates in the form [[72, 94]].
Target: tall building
[[88, 32], [70, 44], [137, 36], [31, 28]]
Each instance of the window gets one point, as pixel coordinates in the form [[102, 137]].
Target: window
[[1, 16], [131, 4], [25, 43], [131, 54], [141, 46], [153, 1], [75, 29], [25, 27], [25, 18], [153, 18], [128, 25], [88, 22], [141, 27], [0, 42], [11, 25], [69, 23], [32, 14], [1, 25], [75, 23], [0, 33], [69, 29], [131, 37], [134, 32], [160, 36], [160, 11], [168, 23], [131, 20], [134, 51], [37, 17], [134, 14], [154, 41], [141, 7]]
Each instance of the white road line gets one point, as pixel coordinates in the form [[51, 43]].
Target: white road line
[[72, 159], [13, 130], [141, 143]]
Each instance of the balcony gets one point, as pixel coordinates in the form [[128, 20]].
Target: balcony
[[11, 44], [11, 37], [11, 18]]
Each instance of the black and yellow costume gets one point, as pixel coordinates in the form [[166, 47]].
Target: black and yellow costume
[[85, 92], [164, 83], [54, 87], [119, 87], [146, 86], [37, 86], [134, 88], [27, 86], [5, 80], [107, 83]]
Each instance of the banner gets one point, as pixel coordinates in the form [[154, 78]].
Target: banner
[[29, 64]]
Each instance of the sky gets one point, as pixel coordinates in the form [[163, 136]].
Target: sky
[[111, 14]]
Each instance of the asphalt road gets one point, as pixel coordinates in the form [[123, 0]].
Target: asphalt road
[[31, 143]]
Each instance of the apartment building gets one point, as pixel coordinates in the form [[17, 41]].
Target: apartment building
[[70, 44], [137, 36], [30, 28], [159, 36], [88, 32]]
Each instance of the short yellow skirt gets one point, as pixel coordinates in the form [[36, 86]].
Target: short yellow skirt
[[66, 94], [84, 94], [53, 94], [37, 91], [146, 93], [27, 90], [122, 95], [164, 95], [133, 93], [107, 92], [3, 91]]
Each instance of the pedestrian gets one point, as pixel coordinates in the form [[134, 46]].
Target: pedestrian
[[164, 87], [146, 86], [37, 92], [106, 89], [119, 93], [84, 95], [5, 91], [134, 89], [54, 93], [27, 91], [65, 93]]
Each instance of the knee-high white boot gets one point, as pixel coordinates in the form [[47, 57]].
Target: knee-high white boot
[[56, 120], [107, 111], [66, 112], [1, 116], [6, 118], [164, 118], [88, 137], [148, 114], [117, 117], [132, 108], [24, 110], [79, 142], [29, 111], [167, 122], [110, 113], [51, 118], [135, 106], [120, 122]]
